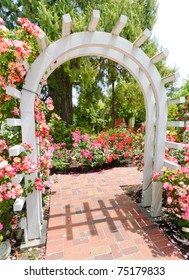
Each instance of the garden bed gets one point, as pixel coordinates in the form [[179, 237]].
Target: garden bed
[[167, 227]]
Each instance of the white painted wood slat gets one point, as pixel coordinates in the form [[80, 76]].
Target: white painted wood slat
[[17, 179], [177, 100], [13, 92], [14, 122], [94, 21], [158, 57], [119, 25], [42, 40], [171, 78], [66, 25], [142, 38], [15, 150], [176, 123], [174, 145], [19, 203], [171, 165]]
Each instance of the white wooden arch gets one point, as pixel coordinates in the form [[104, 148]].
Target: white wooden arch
[[142, 68]]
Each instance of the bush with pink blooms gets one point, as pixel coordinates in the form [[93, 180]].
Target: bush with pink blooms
[[176, 190], [176, 182], [121, 144], [17, 46]]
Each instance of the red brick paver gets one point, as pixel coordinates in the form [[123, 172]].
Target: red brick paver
[[92, 219]]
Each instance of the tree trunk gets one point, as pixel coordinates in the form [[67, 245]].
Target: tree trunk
[[131, 121], [67, 106], [113, 105], [60, 89]]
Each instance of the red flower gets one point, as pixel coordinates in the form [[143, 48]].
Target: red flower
[[115, 156], [126, 154], [112, 138], [128, 140], [120, 145], [109, 159]]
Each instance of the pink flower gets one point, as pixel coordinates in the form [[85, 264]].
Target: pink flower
[[50, 105], [75, 145], [16, 111], [4, 47], [155, 176], [3, 164], [85, 137], [2, 21], [39, 185], [172, 159], [76, 136], [1, 226], [30, 27], [86, 154], [185, 216], [186, 146], [3, 82], [48, 184], [168, 186], [3, 145], [169, 200], [3, 28]]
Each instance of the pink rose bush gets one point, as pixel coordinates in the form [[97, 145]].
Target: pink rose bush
[[15, 47], [1, 236], [175, 184], [29, 27]]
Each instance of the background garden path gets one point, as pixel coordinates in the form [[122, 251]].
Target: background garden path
[[92, 219]]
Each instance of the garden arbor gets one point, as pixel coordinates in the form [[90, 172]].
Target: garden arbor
[[142, 68]]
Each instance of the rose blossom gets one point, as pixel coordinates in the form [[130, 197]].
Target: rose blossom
[[1, 226]]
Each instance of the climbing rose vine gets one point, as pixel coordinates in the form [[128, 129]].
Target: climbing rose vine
[[16, 47]]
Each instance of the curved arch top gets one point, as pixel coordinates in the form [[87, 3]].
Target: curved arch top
[[110, 43]]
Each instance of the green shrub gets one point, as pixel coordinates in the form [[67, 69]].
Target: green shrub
[[60, 131]]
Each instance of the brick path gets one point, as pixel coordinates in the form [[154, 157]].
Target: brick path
[[92, 219]]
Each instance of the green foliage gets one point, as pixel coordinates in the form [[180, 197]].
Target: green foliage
[[61, 160], [179, 155], [6, 215], [184, 90], [59, 130], [172, 112]]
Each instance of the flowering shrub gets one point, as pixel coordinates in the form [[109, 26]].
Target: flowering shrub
[[176, 188], [1, 236], [123, 143], [15, 47], [59, 131], [62, 158], [180, 114], [114, 145], [9, 167]]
